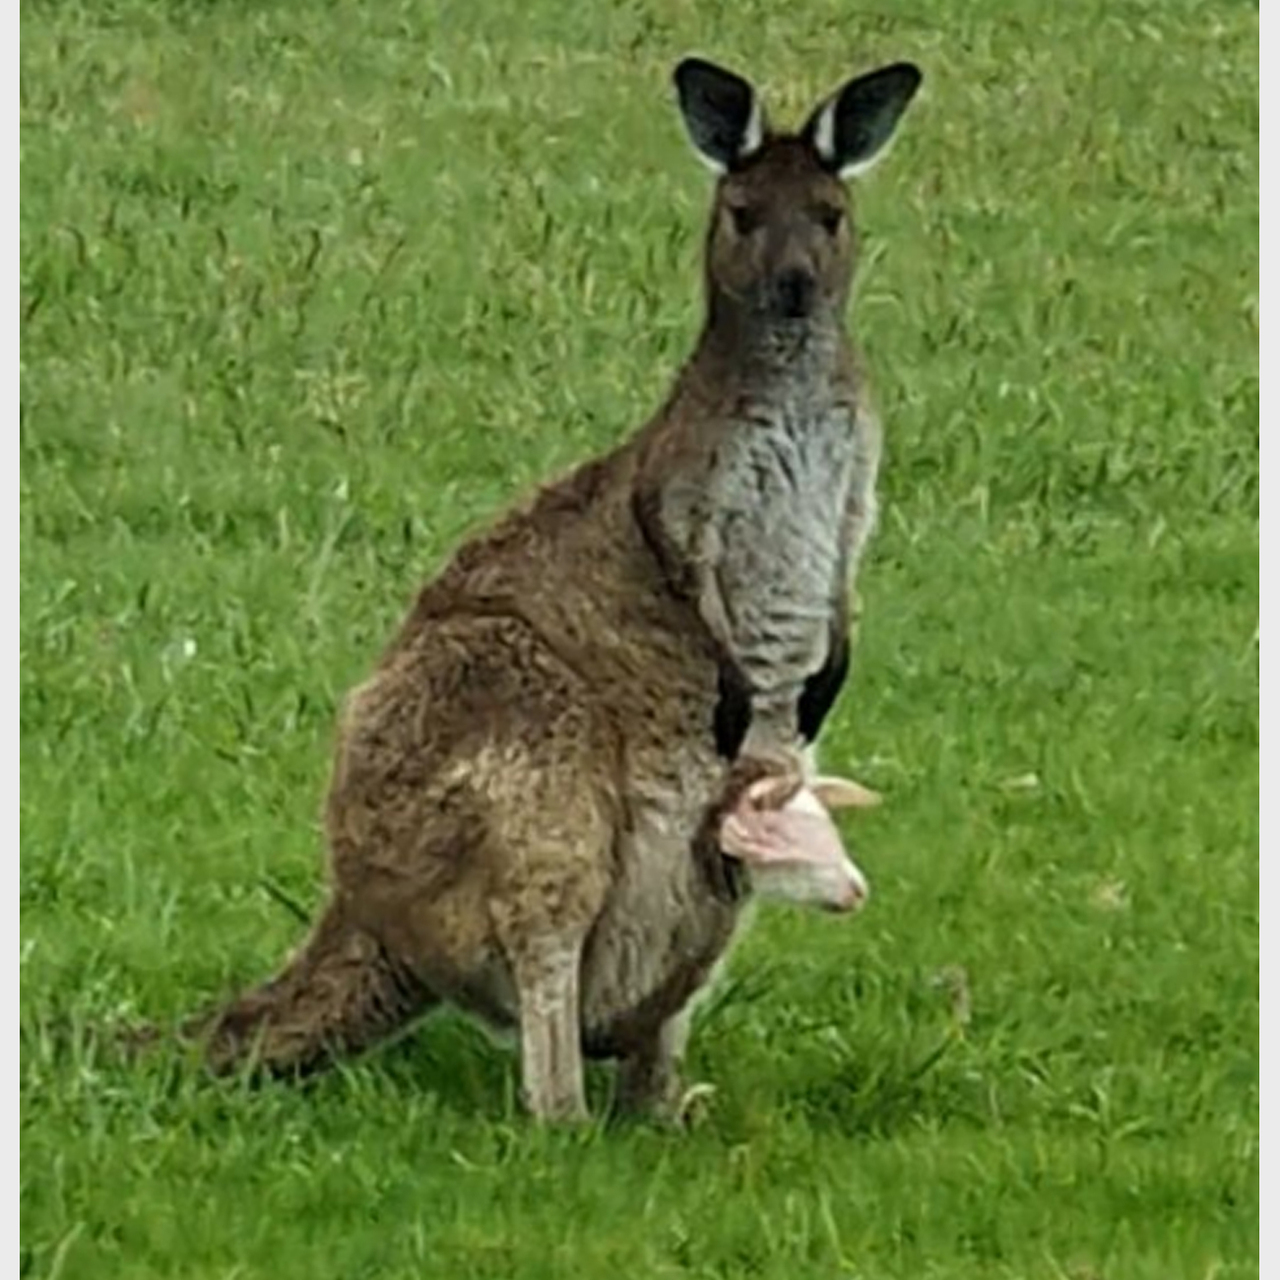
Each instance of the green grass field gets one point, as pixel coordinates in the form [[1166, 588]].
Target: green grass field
[[310, 290]]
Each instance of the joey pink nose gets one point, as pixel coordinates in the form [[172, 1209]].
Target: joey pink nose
[[851, 897]]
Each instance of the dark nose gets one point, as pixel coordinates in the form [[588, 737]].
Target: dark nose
[[794, 293]]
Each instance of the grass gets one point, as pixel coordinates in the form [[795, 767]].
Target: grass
[[312, 289]]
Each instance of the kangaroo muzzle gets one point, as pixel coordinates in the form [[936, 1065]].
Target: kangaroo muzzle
[[793, 293]]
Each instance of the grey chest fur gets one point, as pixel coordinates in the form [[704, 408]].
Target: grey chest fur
[[791, 502]]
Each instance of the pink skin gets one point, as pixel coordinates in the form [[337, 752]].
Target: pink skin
[[791, 848]]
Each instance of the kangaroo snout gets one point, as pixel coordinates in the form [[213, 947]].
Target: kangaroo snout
[[793, 293]]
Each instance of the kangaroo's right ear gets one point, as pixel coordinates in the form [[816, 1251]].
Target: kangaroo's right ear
[[851, 130], [721, 111]]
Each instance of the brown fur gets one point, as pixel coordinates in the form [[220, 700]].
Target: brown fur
[[493, 787], [517, 787]]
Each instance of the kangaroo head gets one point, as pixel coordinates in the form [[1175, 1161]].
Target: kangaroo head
[[780, 247]]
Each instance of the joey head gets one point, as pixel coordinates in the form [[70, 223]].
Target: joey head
[[777, 824]]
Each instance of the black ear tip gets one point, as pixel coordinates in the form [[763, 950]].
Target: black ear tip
[[698, 75], [689, 68], [686, 75], [908, 74]]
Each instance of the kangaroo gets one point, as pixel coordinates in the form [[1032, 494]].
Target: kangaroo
[[537, 808]]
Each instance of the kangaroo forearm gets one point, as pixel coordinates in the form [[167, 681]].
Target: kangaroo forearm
[[821, 690]]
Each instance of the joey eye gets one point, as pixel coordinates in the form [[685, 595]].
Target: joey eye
[[830, 217], [746, 218]]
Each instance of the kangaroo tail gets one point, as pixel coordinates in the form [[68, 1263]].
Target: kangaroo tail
[[341, 993]]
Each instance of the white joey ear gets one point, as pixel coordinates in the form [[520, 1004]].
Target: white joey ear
[[772, 791], [851, 130], [844, 793], [722, 113]]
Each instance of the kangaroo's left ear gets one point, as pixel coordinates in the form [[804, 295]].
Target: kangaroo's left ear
[[850, 130]]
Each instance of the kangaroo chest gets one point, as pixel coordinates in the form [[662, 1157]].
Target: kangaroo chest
[[787, 493]]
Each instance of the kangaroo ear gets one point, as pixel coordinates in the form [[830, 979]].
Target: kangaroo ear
[[771, 791], [851, 129], [844, 793], [721, 112]]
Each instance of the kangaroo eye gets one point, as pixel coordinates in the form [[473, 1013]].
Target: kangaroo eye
[[746, 218], [831, 217]]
